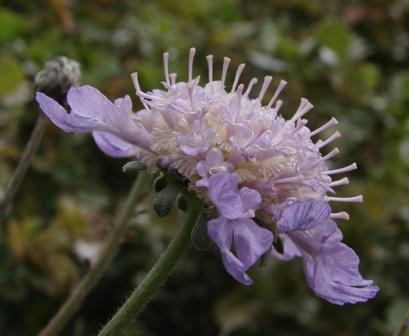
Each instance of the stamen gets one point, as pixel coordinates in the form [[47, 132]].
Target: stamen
[[226, 62], [192, 53], [334, 136], [210, 66], [328, 124], [340, 182], [253, 81], [354, 199], [266, 84], [277, 92], [172, 77], [340, 215], [237, 77], [351, 167], [303, 108], [166, 66]]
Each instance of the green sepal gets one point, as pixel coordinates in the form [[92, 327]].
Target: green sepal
[[278, 245], [160, 183], [200, 238], [182, 203], [163, 202], [133, 166]]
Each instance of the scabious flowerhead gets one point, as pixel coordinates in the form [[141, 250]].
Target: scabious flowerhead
[[264, 176]]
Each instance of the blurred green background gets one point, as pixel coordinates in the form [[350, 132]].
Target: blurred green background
[[350, 58]]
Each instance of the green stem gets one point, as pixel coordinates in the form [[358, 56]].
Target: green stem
[[403, 327], [82, 289], [141, 295]]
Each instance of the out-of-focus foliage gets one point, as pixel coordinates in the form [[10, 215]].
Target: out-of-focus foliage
[[350, 58]]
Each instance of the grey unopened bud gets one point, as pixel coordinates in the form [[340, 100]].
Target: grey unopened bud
[[58, 75]]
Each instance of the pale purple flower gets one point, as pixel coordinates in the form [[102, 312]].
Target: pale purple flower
[[197, 141], [256, 168], [235, 227], [91, 111], [213, 163], [330, 266]]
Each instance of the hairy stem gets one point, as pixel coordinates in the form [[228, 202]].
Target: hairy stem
[[404, 327], [82, 289], [141, 295], [23, 164]]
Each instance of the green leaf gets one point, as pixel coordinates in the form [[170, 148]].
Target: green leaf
[[11, 75], [334, 34], [11, 25]]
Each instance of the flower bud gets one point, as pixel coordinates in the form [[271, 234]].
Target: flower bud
[[163, 202], [58, 75]]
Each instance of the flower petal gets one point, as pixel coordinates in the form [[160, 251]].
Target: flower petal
[[92, 111], [290, 250], [214, 157], [302, 215], [112, 145], [331, 267], [221, 232], [250, 198], [224, 194], [202, 168], [251, 241], [55, 112]]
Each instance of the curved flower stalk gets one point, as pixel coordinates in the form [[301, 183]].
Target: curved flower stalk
[[263, 178]]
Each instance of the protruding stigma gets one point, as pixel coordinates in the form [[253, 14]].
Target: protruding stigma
[[277, 92], [333, 137], [354, 199], [210, 66], [328, 124], [340, 182], [253, 82], [237, 77], [264, 87], [166, 67], [226, 62], [303, 108], [192, 53], [340, 215], [351, 167]]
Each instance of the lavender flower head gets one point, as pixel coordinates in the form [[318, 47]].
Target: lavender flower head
[[264, 176]]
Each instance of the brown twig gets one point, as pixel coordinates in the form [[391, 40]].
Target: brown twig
[[23, 164]]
